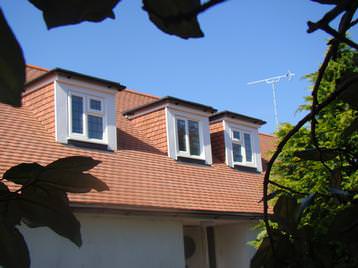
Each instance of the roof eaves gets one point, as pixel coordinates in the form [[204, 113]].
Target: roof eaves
[[242, 117], [110, 84], [170, 99]]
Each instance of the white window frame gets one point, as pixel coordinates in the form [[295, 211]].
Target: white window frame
[[172, 112], [87, 111], [187, 142], [241, 141], [231, 125]]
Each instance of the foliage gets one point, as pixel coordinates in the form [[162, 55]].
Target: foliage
[[316, 209], [41, 200], [175, 17]]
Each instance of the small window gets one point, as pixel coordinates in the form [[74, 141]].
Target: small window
[[188, 137], [241, 147], [87, 118]]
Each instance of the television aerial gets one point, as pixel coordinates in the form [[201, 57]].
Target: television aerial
[[273, 81]]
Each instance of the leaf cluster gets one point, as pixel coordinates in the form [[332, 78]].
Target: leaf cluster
[[41, 200]]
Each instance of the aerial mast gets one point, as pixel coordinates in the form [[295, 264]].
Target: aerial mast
[[273, 81]]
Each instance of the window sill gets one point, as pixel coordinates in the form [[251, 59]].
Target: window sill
[[89, 145], [246, 168], [191, 160]]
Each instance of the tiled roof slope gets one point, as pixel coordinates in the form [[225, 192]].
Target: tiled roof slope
[[138, 174]]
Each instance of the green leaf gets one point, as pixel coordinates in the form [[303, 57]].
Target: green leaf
[[12, 66], [14, 252], [350, 95], [23, 173], [75, 163], [315, 155], [49, 207], [175, 17], [285, 210], [58, 13], [352, 128]]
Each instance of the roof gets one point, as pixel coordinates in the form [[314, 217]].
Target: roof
[[138, 175], [39, 74], [242, 117], [169, 99]]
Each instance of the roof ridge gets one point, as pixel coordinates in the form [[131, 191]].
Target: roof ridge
[[141, 93], [265, 134], [37, 67]]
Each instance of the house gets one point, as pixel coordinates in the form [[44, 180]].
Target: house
[[185, 180]]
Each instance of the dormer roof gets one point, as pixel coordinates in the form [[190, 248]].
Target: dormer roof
[[229, 114]]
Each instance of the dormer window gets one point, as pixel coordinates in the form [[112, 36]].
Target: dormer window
[[85, 114], [87, 117], [186, 136], [240, 135]]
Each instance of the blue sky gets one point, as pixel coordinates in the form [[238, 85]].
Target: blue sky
[[244, 41]]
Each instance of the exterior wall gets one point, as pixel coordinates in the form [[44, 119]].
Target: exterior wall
[[42, 103], [232, 250], [153, 126], [217, 141], [110, 241]]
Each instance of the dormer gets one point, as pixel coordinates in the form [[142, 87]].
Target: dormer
[[181, 128], [77, 109], [237, 140]]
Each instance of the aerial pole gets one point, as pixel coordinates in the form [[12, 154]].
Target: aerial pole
[[273, 81]]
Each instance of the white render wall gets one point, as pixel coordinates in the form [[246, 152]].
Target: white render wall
[[110, 241], [232, 250]]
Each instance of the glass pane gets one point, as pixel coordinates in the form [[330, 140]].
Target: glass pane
[[181, 134], [236, 151], [236, 135], [248, 149], [95, 105], [95, 127], [77, 114], [194, 140]]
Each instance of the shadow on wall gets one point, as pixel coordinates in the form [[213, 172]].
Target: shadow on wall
[[127, 141]]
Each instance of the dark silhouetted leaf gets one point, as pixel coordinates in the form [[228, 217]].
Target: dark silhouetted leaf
[[263, 256], [305, 203], [315, 155], [345, 225], [350, 94], [49, 207], [285, 210], [12, 66], [352, 128], [58, 13], [272, 195], [23, 173], [73, 182], [14, 252], [341, 193], [175, 17], [75, 163]]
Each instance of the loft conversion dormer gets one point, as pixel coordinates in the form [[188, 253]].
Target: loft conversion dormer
[[176, 127], [77, 109], [239, 135]]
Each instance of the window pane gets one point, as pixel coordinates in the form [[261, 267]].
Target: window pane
[[236, 151], [236, 135], [95, 105], [248, 149], [181, 134], [77, 114], [95, 127], [194, 137]]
